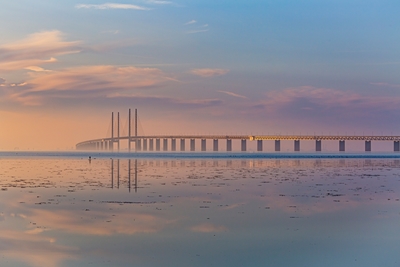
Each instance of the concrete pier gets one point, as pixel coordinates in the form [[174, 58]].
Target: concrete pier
[[367, 146], [297, 145], [244, 145], [277, 145], [228, 144], [158, 146], [203, 145], [144, 144], [259, 145], [151, 144], [165, 144], [138, 144], [396, 146], [173, 144], [342, 146], [182, 144], [192, 145], [215, 145], [318, 145]]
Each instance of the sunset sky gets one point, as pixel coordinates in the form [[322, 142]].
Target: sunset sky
[[197, 67]]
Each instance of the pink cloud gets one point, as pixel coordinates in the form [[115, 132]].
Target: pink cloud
[[37, 49], [209, 72]]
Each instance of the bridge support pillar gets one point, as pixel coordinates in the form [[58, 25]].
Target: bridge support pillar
[[318, 145], [203, 145], [215, 145], [367, 146], [182, 144], [138, 144], [396, 146], [192, 145], [342, 146], [144, 144], [173, 144], [151, 144], [165, 144], [296, 145], [228, 144], [157, 144], [259, 145], [244, 145], [277, 145]]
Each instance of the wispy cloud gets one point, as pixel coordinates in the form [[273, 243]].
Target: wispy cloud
[[88, 81], [313, 98], [328, 107], [112, 6], [191, 22], [37, 49], [233, 94], [386, 85], [159, 2], [101, 85], [206, 72], [196, 29]]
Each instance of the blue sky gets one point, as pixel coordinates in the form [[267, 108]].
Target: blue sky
[[202, 66]]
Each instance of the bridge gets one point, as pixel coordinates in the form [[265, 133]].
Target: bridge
[[146, 142]]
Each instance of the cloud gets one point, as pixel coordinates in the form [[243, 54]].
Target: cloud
[[159, 2], [312, 98], [209, 72], [191, 22], [111, 6], [37, 49], [232, 94], [198, 29], [86, 82], [99, 85], [332, 108], [35, 68], [387, 85]]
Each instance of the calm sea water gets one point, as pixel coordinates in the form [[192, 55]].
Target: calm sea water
[[60, 209]]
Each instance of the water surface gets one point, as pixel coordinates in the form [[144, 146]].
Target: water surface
[[67, 211]]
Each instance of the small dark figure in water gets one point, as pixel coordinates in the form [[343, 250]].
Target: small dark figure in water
[[90, 159]]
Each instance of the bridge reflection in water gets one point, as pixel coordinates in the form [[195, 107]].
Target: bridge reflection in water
[[169, 142], [133, 166], [115, 173]]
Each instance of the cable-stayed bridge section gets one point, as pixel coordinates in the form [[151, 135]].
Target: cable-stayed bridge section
[[169, 142]]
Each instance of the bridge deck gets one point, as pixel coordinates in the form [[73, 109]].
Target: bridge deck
[[256, 137]]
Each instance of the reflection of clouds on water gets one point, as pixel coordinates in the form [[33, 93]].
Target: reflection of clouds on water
[[102, 223], [208, 228], [33, 249], [57, 202]]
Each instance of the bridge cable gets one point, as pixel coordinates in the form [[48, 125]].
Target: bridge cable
[[109, 130]]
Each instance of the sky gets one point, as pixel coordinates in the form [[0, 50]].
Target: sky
[[196, 67]]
